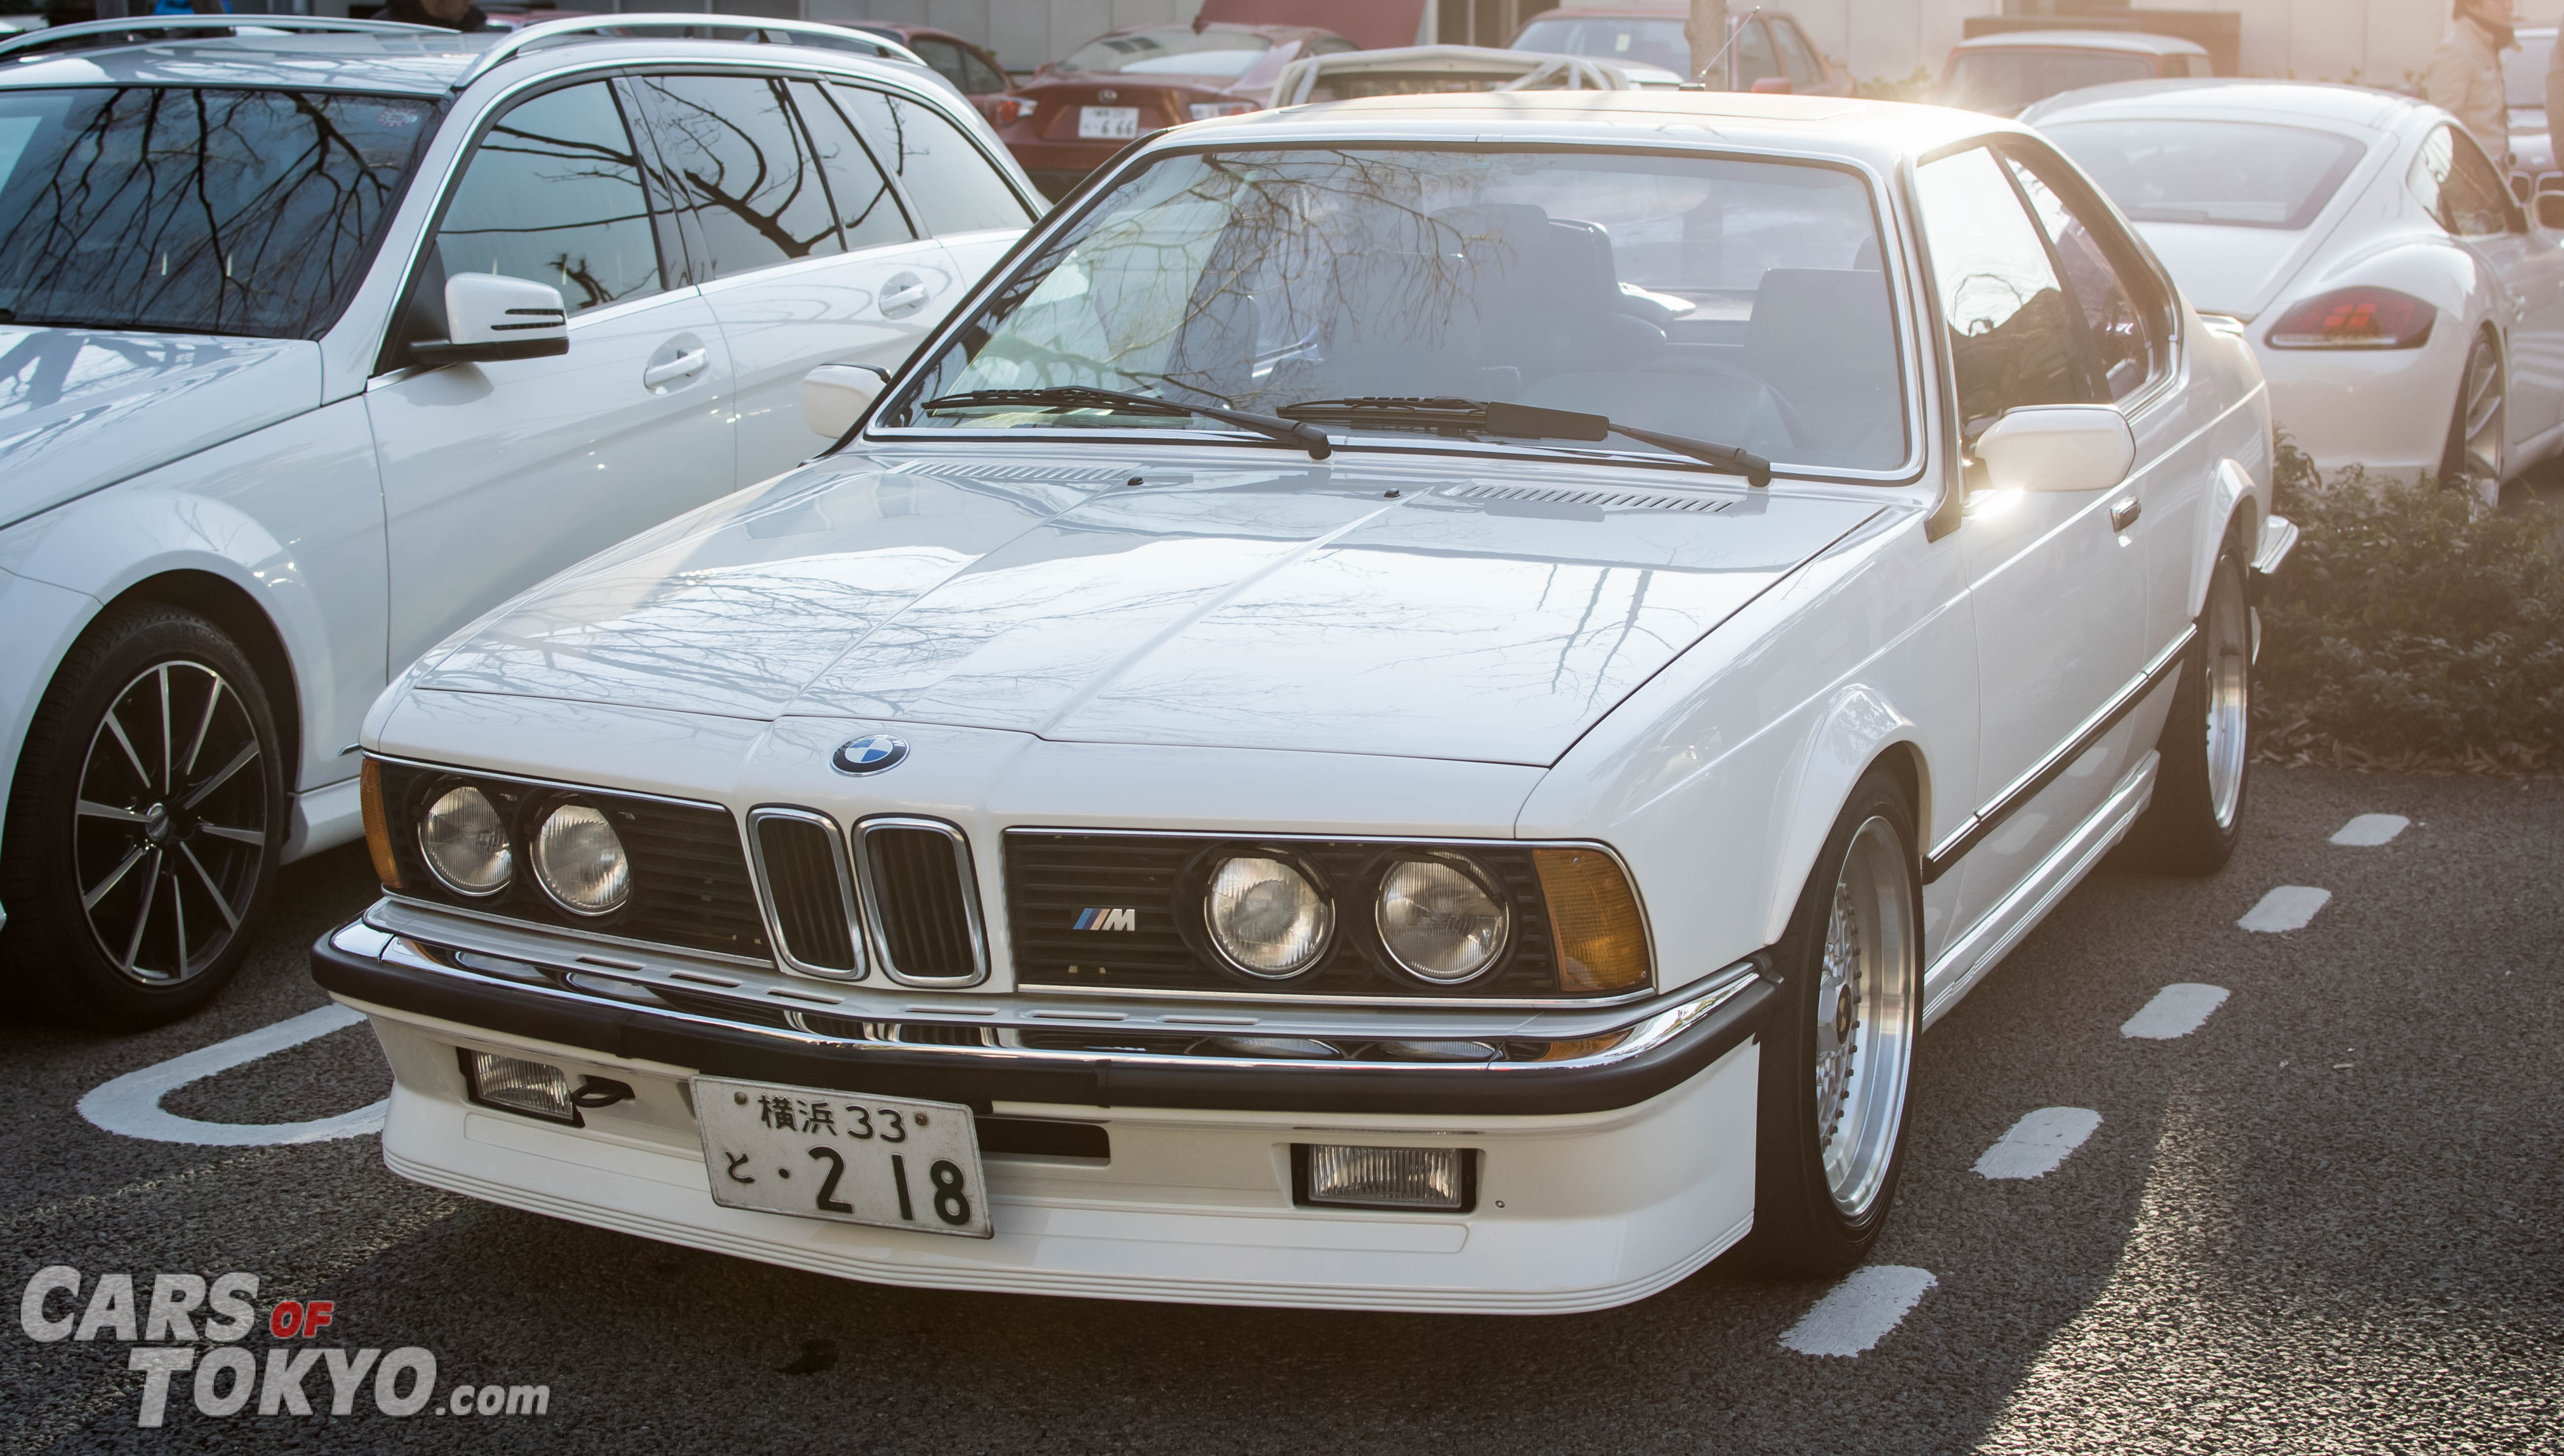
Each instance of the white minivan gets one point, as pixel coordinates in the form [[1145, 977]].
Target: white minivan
[[318, 341]]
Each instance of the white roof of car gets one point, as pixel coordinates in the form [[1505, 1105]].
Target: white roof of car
[[2297, 102], [2084, 40]]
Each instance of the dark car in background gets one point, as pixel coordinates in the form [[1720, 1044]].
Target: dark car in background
[[972, 71], [1076, 112], [1771, 54]]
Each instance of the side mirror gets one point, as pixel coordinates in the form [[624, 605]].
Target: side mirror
[[489, 317], [2550, 210], [834, 397], [2058, 446], [1772, 86]]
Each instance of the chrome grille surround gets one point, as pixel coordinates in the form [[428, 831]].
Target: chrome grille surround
[[897, 903], [784, 909]]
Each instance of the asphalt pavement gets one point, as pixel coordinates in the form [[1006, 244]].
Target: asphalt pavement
[[2324, 1219]]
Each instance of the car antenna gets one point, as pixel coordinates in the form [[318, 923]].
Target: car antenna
[[1701, 81]]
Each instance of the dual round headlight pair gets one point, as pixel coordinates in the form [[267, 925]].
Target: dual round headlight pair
[[577, 857], [1439, 917]]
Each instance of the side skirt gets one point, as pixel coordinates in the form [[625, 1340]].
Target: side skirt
[[1986, 944]]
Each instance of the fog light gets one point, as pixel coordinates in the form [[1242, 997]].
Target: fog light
[[511, 1084], [1387, 1178]]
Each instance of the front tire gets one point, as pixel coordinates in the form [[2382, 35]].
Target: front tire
[[2196, 816], [1837, 1046], [144, 823]]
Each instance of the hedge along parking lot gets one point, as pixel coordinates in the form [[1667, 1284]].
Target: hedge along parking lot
[[2413, 628]]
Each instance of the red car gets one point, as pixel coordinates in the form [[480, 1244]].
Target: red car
[[1075, 113], [958, 60]]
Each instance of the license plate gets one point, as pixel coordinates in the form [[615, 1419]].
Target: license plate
[[1107, 124], [879, 1161]]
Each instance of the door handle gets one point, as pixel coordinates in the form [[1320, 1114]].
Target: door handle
[[2125, 514], [683, 366], [904, 294]]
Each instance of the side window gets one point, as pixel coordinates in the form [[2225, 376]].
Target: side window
[[1753, 59], [2128, 335], [944, 57], [2460, 188], [866, 207], [1795, 57], [554, 194], [955, 187], [737, 161], [2014, 337], [980, 75]]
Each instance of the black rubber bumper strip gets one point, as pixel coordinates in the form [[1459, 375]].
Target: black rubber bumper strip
[[642, 1034]]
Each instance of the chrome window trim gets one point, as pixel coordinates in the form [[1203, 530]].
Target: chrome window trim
[[764, 884], [870, 895]]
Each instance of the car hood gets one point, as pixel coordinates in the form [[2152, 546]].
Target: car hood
[[82, 409], [1340, 608], [2236, 271]]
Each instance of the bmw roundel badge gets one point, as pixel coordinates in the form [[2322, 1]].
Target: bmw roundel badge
[[870, 753]]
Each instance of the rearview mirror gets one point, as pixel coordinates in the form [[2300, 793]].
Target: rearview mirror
[[834, 397], [489, 317], [2058, 446], [2550, 210]]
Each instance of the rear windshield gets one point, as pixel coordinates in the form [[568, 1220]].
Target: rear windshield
[[2237, 175], [1658, 43], [2004, 82], [1175, 51], [195, 211]]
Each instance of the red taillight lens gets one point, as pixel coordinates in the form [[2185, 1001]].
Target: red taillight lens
[[2355, 319], [1007, 110]]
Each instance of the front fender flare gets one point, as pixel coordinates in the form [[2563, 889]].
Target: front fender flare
[[1858, 724]]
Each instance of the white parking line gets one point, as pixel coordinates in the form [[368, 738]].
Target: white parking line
[[2177, 1010], [2288, 908], [131, 1104], [2368, 830], [1859, 1312], [2039, 1143]]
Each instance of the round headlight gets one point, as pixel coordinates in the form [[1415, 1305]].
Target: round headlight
[[1266, 916], [580, 861], [1439, 921], [466, 843]]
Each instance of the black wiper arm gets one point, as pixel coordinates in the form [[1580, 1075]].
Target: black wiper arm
[[1081, 396], [1523, 421]]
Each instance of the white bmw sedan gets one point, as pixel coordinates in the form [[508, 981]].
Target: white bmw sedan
[[322, 339], [2408, 313], [1414, 707]]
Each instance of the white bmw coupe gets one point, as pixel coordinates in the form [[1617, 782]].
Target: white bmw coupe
[[1414, 707], [2408, 311]]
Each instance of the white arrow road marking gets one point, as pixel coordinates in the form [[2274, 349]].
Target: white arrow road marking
[[2368, 830], [131, 1104], [1859, 1312], [2039, 1143], [2177, 1010], [2288, 908]]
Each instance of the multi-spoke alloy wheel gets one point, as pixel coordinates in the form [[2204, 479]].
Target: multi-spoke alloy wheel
[[144, 823], [172, 822], [2477, 433], [1837, 1043], [2206, 748]]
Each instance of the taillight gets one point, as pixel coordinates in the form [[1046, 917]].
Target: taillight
[[2355, 319], [1007, 110]]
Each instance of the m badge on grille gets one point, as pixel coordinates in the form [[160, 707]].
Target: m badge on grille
[[1107, 920]]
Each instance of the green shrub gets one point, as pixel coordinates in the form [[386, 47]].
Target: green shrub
[[2414, 627]]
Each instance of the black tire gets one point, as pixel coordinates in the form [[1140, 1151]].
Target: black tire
[[137, 869], [2190, 827], [1801, 1227]]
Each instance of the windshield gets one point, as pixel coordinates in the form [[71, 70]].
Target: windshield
[[1657, 42], [2523, 69], [2004, 82], [174, 209], [2240, 174], [1176, 50], [1737, 301]]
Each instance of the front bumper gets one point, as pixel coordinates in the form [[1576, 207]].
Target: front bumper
[[1600, 1181]]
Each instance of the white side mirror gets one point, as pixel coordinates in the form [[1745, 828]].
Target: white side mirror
[[2058, 446], [489, 315], [834, 397]]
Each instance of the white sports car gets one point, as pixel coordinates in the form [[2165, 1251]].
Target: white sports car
[[1414, 707], [2408, 311]]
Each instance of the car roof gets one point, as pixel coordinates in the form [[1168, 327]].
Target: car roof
[[1269, 32], [2131, 42], [1876, 134], [2322, 104], [1607, 12]]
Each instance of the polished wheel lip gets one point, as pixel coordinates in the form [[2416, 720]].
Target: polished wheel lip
[[2228, 647], [1864, 1016], [2480, 405], [147, 805]]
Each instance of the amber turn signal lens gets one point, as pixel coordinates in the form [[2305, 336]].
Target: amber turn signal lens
[[1594, 915], [378, 829]]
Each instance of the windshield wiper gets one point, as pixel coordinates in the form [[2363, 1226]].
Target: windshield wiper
[[1529, 422], [1081, 396]]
